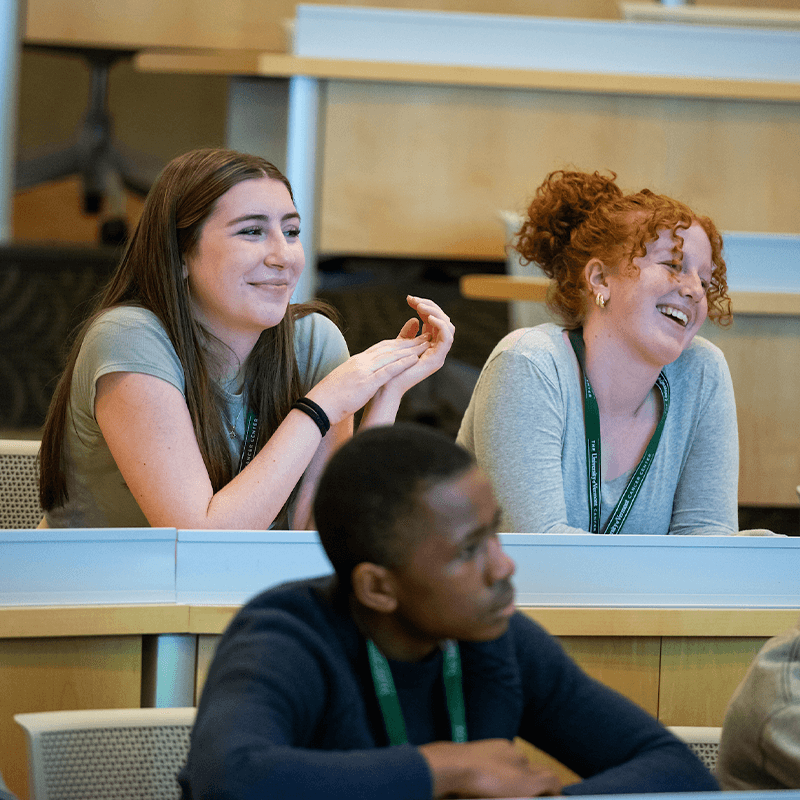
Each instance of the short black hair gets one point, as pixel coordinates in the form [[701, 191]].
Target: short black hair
[[371, 484]]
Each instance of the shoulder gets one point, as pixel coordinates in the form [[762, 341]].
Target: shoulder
[[541, 347], [128, 328], [128, 318], [525, 643], [772, 681], [285, 632], [701, 356], [533, 342], [778, 663], [298, 608], [529, 636], [319, 346], [316, 326], [129, 339], [700, 372]]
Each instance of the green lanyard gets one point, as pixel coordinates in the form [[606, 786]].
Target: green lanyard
[[250, 440], [591, 416], [390, 703]]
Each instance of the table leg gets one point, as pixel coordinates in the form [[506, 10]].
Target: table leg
[[9, 73], [168, 667], [304, 156]]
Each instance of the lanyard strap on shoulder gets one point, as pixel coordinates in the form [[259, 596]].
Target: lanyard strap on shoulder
[[390, 703], [591, 416], [250, 440]]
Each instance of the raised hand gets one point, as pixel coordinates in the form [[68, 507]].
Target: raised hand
[[487, 768], [437, 327]]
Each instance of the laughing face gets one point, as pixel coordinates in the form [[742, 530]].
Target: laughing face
[[659, 309], [247, 262]]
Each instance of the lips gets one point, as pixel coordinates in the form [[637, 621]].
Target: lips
[[675, 314], [269, 285], [504, 599]]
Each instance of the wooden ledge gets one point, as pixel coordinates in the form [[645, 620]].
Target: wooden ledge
[[253, 63], [529, 289], [663, 621], [24, 622], [774, 18]]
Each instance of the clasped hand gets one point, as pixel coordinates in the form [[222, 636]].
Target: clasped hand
[[392, 366], [486, 768]]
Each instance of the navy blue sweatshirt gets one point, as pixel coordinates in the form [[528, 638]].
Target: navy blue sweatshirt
[[289, 711]]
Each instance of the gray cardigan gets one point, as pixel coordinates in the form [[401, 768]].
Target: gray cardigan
[[525, 426]]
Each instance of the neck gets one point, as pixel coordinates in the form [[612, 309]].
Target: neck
[[229, 347], [228, 356], [620, 378], [388, 635]]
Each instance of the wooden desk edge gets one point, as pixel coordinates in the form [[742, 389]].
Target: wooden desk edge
[[21, 622], [481, 286], [253, 63], [689, 622], [24, 622]]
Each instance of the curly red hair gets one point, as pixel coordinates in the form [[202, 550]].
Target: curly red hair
[[577, 216]]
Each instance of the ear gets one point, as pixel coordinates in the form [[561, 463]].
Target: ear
[[596, 273], [374, 587]]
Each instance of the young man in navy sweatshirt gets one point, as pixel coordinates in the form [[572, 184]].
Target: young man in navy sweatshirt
[[407, 674]]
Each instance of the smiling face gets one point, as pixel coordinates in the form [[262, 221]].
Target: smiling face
[[247, 261], [457, 582], [659, 309]]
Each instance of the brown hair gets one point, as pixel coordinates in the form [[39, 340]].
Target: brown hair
[[577, 216], [150, 275]]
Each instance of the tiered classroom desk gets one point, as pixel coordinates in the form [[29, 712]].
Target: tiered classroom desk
[[105, 619]]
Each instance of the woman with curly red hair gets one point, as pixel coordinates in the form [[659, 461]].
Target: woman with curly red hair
[[633, 279]]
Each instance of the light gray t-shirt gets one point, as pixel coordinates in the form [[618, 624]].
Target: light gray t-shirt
[[131, 339], [525, 426]]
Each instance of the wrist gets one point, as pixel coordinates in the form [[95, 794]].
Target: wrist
[[382, 408], [449, 770], [315, 412]]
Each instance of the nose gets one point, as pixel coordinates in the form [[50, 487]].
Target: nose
[[499, 565], [692, 286], [277, 251]]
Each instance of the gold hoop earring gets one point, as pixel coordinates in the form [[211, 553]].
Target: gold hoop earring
[[600, 300]]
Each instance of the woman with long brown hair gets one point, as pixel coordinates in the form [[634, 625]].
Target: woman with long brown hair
[[196, 396], [633, 279]]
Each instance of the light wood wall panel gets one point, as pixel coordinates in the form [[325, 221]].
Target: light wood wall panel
[[423, 170], [239, 23], [698, 677], [629, 665], [257, 25], [763, 353], [61, 674]]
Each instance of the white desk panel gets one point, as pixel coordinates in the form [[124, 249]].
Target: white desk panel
[[226, 567], [90, 566], [229, 567], [655, 571], [546, 43]]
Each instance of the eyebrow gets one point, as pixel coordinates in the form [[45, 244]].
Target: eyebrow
[[262, 218], [489, 528]]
